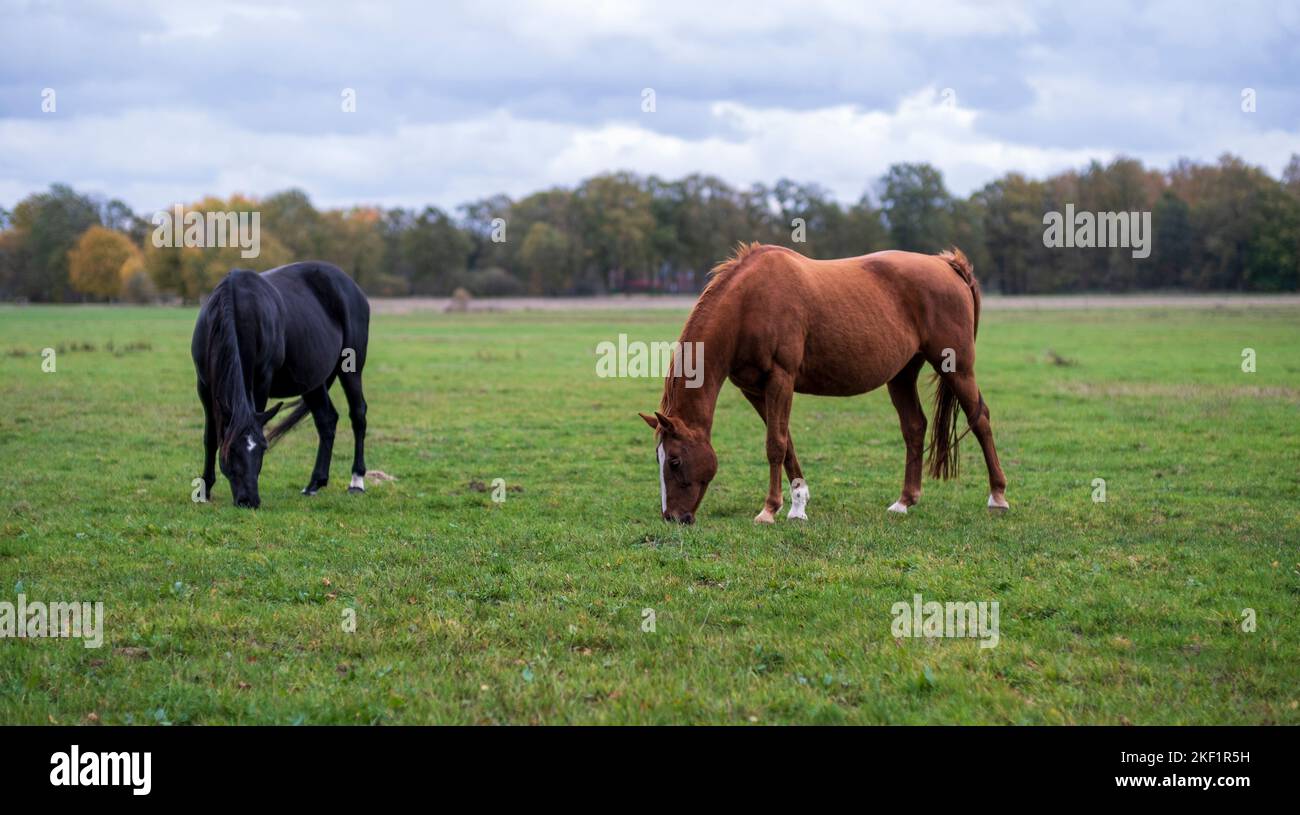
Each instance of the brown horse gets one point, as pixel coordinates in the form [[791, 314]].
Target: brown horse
[[775, 323]]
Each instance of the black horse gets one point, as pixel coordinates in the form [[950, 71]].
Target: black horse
[[288, 332]]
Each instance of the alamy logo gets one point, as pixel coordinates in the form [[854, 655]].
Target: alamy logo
[[935, 619], [1088, 230], [654, 359], [77, 769], [53, 620], [208, 230]]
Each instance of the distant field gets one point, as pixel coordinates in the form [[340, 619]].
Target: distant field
[[992, 302], [531, 611]]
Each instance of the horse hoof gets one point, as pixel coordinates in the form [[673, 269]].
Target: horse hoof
[[799, 496], [764, 517], [357, 485], [309, 490], [356, 490], [998, 506], [898, 507]]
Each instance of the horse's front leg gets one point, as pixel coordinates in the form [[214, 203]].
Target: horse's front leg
[[798, 487], [210, 443], [777, 397], [799, 493]]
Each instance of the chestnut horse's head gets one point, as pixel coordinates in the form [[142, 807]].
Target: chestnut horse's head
[[686, 466]]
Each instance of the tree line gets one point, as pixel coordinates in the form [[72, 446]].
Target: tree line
[[1226, 225]]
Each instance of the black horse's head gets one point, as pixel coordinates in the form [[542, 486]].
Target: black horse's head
[[241, 457]]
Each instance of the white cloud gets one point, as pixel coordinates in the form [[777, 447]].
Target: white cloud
[[168, 100], [181, 155]]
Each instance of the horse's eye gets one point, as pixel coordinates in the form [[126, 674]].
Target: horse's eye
[[675, 463]]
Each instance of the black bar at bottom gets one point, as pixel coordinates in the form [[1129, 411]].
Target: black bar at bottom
[[217, 764]]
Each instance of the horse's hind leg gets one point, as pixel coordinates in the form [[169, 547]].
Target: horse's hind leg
[[977, 414], [798, 487], [911, 419], [351, 383], [326, 419]]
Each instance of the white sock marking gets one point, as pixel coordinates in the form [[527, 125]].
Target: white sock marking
[[799, 496], [663, 486], [357, 483], [898, 507]]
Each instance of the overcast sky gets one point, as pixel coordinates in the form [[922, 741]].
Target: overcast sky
[[158, 102]]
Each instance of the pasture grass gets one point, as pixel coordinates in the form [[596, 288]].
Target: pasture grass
[[531, 610]]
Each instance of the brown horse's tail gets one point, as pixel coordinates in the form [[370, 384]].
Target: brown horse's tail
[[962, 266], [942, 459]]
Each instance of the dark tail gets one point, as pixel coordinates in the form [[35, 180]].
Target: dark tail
[[299, 412], [942, 458]]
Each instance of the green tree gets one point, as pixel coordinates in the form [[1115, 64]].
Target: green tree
[[480, 222], [353, 240], [543, 258], [917, 207], [45, 226], [297, 225], [617, 226], [434, 252], [556, 208], [1174, 243], [1013, 208], [825, 224], [698, 220]]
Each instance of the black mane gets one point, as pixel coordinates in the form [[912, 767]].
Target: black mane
[[232, 403]]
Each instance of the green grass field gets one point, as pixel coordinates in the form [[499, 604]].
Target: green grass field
[[530, 611]]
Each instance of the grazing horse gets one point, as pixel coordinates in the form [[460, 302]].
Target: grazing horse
[[288, 332], [775, 323]]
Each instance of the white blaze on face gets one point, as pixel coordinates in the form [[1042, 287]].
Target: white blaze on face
[[663, 485], [251, 444]]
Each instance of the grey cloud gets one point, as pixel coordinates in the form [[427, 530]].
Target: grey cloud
[[1045, 79]]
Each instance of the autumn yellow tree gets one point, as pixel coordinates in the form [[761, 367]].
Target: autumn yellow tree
[[95, 262], [137, 285], [193, 271]]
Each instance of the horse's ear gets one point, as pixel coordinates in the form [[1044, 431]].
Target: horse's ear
[[267, 415], [664, 424], [668, 424]]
